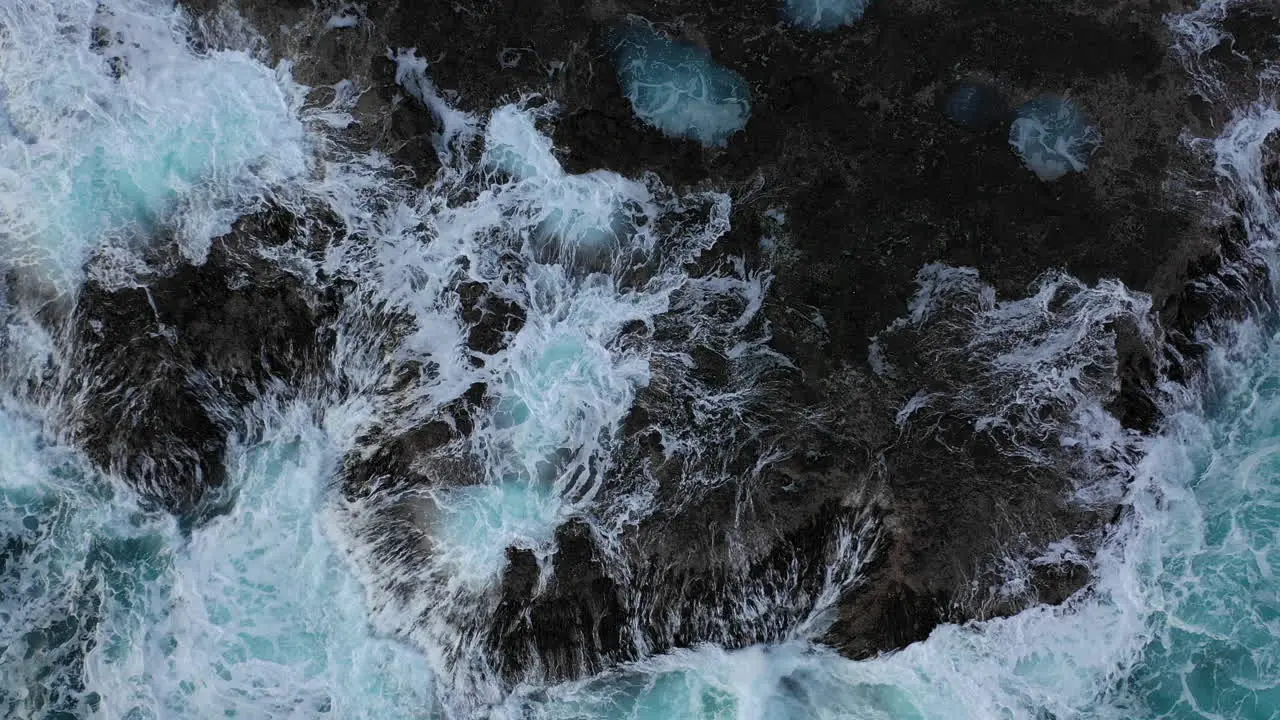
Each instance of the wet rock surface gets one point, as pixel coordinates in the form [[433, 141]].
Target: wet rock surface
[[848, 142], [574, 626], [169, 367]]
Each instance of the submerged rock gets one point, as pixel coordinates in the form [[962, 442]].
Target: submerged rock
[[975, 105]]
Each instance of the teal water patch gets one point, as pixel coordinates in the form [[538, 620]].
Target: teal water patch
[[111, 142], [262, 618], [577, 217], [71, 544], [708, 683], [1216, 650], [134, 175], [482, 521], [678, 88], [1053, 137], [108, 611], [823, 15], [545, 423]]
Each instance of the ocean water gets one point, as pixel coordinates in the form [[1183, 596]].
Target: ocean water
[[678, 87], [287, 604], [823, 15], [116, 131]]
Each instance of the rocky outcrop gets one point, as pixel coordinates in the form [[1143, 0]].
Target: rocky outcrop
[[850, 163], [847, 140], [167, 368]]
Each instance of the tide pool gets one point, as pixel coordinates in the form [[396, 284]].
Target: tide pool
[[1053, 137], [823, 15], [678, 88]]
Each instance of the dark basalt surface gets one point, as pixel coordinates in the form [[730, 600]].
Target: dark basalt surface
[[575, 626], [847, 139], [168, 369]]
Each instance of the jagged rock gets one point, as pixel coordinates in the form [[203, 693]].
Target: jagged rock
[[572, 628], [386, 459], [847, 140], [491, 319], [167, 368]]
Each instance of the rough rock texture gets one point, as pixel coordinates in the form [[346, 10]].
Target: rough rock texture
[[847, 140], [169, 367], [574, 626]]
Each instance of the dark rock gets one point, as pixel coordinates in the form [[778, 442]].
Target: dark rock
[[894, 617], [168, 368], [1223, 282], [1252, 34], [875, 182], [1271, 163], [388, 459], [572, 628], [1135, 403], [492, 319]]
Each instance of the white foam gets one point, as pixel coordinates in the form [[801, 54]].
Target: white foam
[[255, 613], [514, 146], [575, 214], [178, 143], [564, 248], [340, 22], [457, 128], [1036, 369]]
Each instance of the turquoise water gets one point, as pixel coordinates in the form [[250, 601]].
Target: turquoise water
[[678, 88], [107, 153], [109, 611], [1216, 645]]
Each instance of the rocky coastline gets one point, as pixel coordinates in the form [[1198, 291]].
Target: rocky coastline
[[849, 162]]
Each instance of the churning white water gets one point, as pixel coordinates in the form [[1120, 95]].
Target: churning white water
[[117, 130], [116, 134], [107, 609], [110, 611]]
